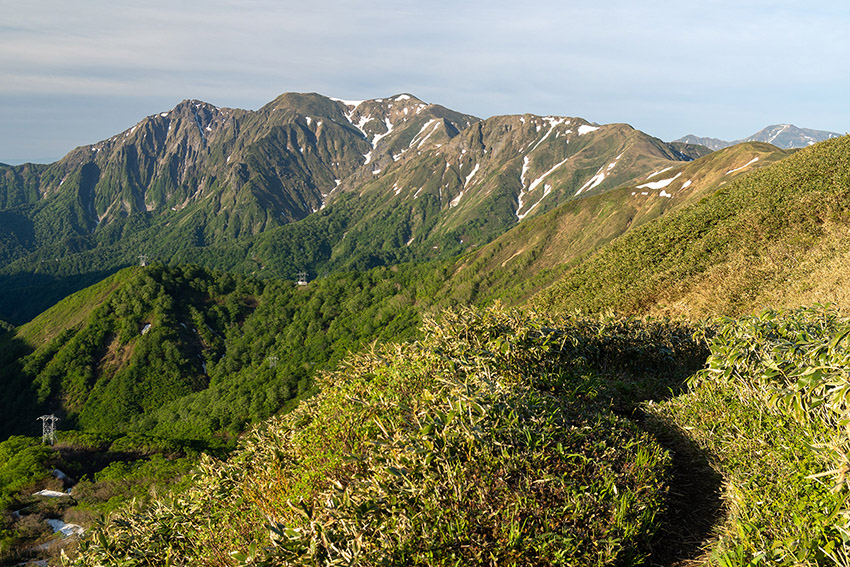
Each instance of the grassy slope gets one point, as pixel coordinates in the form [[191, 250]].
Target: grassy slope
[[768, 410], [728, 253], [536, 252], [69, 312]]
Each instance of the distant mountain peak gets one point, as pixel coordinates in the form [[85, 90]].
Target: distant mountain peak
[[785, 136]]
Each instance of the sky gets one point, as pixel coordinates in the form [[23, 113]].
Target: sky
[[75, 73]]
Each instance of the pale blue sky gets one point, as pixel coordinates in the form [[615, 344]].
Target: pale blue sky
[[76, 72]]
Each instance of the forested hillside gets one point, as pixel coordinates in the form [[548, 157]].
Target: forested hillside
[[185, 353]]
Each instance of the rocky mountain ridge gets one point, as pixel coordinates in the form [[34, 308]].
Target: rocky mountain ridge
[[395, 179]]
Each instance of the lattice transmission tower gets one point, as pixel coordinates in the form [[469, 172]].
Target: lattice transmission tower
[[48, 428]]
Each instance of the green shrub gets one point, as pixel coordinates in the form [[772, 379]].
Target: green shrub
[[771, 408]]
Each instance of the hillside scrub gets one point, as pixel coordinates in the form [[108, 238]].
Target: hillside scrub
[[771, 409], [720, 254], [490, 441]]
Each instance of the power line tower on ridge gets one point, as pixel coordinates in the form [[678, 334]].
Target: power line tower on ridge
[[143, 259], [48, 428], [302, 278]]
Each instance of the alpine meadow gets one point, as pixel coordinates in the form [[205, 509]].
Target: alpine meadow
[[386, 333]]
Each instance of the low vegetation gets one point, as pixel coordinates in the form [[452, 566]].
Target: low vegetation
[[771, 409], [85, 477], [492, 440], [725, 254]]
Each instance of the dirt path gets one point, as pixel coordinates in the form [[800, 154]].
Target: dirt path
[[694, 506]]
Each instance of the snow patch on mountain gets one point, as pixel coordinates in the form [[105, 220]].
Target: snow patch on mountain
[[471, 175], [553, 121], [540, 179], [659, 184], [433, 122], [378, 137], [659, 172], [66, 530], [454, 202], [749, 163], [354, 103], [599, 177], [546, 190], [525, 163]]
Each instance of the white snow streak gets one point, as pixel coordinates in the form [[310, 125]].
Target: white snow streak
[[586, 129], [363, 121], [471, 175], [540, 179], [659, 184], [785, 127], [686, 184], [66, 529], [427, 125], [749, 163], [592, 182], [389, 126], [50, 493], [552, 123], [354, 103], [525, 162], [532, 187], [456, 200], [651, 175], [599, 177], [546, 190]]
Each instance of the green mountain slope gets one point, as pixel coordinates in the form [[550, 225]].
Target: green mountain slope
[[491, 441], [394, 179], [763, 239], [534, 254], [186, 353]]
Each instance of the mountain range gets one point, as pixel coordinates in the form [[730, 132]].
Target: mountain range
[[375, 182], [785, 136]]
